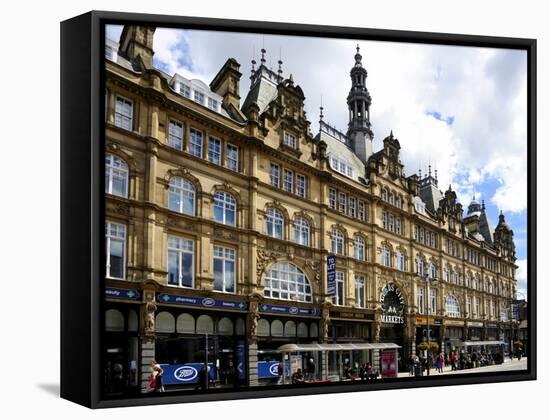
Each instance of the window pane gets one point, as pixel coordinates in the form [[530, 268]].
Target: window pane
[[187, 270]]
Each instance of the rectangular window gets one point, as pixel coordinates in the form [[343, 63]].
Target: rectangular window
[[360, 291], [351, 207], [289, 140], [199, 97], [195, 142], [274, 175], [332, 198], [301, 185], [232, 157], [342, 202], [468, 306], [398, 225], [359, 249], [214, 150], [175, 134], [213, 104], [123, 113], [288, 180], [478, 307], [115, 246], [180, 261], [420, 300], [224, 269], [338, 299], [433, 301], [384, 220], [185, 90], [361, 211]]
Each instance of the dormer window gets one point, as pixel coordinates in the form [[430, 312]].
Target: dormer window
[[185, 90], [341, 167], [289, 140], [199, 97], [213, 104]]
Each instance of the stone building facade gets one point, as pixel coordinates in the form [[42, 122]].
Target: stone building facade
[[221, 213]]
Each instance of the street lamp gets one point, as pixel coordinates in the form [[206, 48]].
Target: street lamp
[[428, 301]]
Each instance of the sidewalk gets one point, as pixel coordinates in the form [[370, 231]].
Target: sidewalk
[[507, 365]]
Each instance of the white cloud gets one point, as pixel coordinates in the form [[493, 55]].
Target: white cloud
[[483, 90], [521, 277]]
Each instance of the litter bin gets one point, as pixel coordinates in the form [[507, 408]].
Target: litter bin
[[418, 371]]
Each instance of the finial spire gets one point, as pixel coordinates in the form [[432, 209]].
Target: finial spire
[[262, 60], [321, 110], [391, 134]]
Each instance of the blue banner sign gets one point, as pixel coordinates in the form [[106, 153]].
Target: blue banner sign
[[268, 370], [289, 310], [186, 374], [119, 293], [241, 360], [331, 275], [199, 301]]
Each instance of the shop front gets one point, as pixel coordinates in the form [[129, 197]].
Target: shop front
[[195, 335], [475, 330], [121, 342], [280, 325], [428, 329], [454, 335], [392, 321], [349, 325]]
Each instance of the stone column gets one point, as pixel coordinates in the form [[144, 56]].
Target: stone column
[[252, 327], [147, 309]]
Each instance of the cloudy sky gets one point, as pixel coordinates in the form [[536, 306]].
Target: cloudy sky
[[461, 109]]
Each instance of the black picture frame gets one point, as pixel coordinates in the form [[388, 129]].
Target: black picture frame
[[82, 200]]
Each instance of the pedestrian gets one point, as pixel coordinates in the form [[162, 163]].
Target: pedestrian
[[454, 360], [439, 362], [411, 365], [156, 372], [297, 377], [310, 369], [280, 372]]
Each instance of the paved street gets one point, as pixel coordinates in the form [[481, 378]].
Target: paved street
[[508, 365]]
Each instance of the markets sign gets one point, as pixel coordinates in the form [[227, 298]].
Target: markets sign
[[331, 275], [289, 310], [187, 373], [200, 301], [120, 293], [393, 305]]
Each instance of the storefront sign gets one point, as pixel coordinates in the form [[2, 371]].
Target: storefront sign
[[119, 293], [198, 301], [352, 315], [423, 320], [475, 324], [289, 310], [388, 364], [331, 275], [492, 325], [454, 323], [268, 370], [188, 373], [393, 305]]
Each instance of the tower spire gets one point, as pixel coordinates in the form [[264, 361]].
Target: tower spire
[[359, 128]]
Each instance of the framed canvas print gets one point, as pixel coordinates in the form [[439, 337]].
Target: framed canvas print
[[255, 209]]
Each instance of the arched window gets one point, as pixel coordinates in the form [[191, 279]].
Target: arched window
[[452, 307], [114, 320], [116, 176], [384, 194], [446, 274], [337, 242], [301, 231], [433, 270], [286, 281], [476, 282], [400, 260], [359, 248], [274, 223], [225, 207], [419, 267], [398, 201], [165, 323], [386, 256], [185, 324], [391, 199], [205, 325], [181, 196]]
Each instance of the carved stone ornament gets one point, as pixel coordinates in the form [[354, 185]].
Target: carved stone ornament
[[149, 319], [253, 317], [262, 261]]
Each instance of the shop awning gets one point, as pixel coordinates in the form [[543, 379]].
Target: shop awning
[[293, 348], [482, 343]]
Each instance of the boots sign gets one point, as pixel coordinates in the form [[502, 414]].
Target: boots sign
[[393, 305]]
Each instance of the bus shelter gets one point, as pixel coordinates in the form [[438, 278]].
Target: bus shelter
[[335, 357]]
